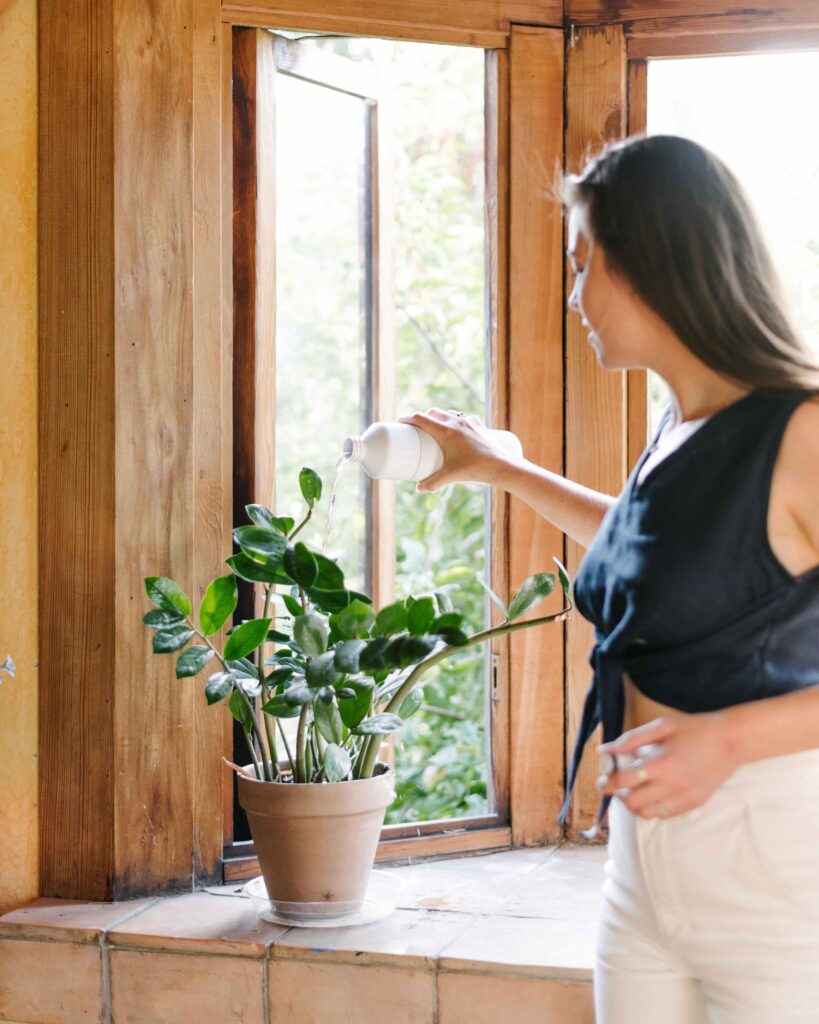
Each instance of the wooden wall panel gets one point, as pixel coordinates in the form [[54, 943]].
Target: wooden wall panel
[[668, 43], [469, 22], [76, 449], [154, 456], [536, 415], [19, 827], [212, 428], [596, 399]]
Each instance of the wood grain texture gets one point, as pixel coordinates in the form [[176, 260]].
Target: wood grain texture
[[693, 15], [644, 45], [19, 555], [637, 380], [77, 511], [470, 22], [596, 400], [535, 407], [496, 208], [154, 451], [212, 484]]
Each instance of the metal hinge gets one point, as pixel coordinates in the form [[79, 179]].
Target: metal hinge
[[495, 688]]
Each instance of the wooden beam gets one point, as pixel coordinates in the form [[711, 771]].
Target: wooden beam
[[693, 16], [76, 449], [468, 23], [596, 400], [644, 45], [535, 409]]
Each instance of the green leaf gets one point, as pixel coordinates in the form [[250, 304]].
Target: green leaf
[[414, 649], [352, 711], [335, 600], [565, 581], [421, 616], [411, 703], [451, 620], [160, 619], [531, 593], [300, 565], [385, 722], [240, 710], [310, 484], [337, 763], [328, 721], [278, 637], [391, 619], [444, 603], [257, 571], [262, 516], [453, 637], [192, 661], [494, 597], [300, 693], [321, 670], [172, 639], [278, 677], [167, 595], [310, 632], [354, 621], [218, 687], [243, 668], [372, 658], [279, 708], [330, 577], [261, 540], [246, 638], [291, 604], [218, 604], [346, 655]]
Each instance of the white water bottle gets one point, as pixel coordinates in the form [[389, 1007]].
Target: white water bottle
[[400, 451]]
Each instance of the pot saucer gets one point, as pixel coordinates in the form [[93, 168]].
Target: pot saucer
[[380, 899]]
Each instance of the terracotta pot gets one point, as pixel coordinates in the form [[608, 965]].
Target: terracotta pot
[[316, 842]]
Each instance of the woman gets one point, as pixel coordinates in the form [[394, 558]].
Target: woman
[[702, 581]]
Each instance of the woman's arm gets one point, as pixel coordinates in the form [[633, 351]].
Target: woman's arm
[[470, 456]]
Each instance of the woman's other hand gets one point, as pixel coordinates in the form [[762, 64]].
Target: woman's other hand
[[469, 453], [696, 756]]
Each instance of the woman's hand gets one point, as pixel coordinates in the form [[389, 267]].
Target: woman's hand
[[696, 756], [469, 454]]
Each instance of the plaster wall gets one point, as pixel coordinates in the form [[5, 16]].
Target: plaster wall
[[19, 852]]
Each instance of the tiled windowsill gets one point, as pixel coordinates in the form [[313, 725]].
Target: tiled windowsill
[[469, 936]]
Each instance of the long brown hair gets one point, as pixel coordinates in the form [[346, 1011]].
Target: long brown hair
[[677, 225]]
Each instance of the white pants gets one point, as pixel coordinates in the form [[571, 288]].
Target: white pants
[[713, 916]]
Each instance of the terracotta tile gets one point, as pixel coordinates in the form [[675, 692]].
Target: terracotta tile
[[198, 923], [50, 982], [536, 946], [324, 993], [482, 999], [412, 938], [67, 920], [169, 988]]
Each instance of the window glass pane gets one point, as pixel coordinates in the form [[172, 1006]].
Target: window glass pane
[[746, 110], [321, 323], [439, 247]]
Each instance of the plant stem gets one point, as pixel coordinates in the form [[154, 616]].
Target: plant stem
[[301, 744], [269, 732], [302, 524], [287, 748], [369, 750], [256, 726]]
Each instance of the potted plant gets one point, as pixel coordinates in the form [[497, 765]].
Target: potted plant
[[319, 653]]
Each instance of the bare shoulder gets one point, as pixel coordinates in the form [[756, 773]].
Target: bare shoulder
[[795, 487]]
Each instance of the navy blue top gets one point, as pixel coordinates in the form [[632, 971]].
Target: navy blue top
[[682, 586]]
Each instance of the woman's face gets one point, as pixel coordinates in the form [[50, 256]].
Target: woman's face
[[614, 316]]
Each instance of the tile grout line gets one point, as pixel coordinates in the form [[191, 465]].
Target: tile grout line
[[105, 954]]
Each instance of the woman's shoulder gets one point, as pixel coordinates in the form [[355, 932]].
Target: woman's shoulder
[[795, 487]]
